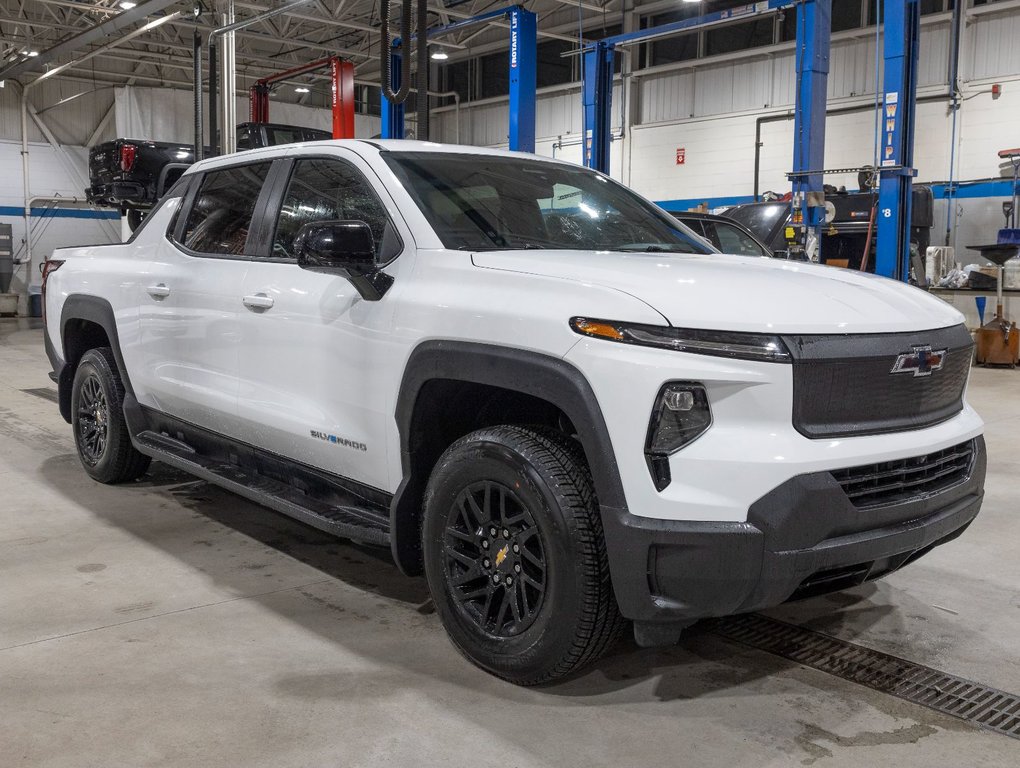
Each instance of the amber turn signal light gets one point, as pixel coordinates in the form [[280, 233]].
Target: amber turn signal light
[[596, 328]]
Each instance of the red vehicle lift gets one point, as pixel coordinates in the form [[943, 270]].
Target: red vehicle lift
[[342, 82]]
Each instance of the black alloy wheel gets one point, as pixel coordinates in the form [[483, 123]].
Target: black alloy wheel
[[93, 420], [97, 417], [495, 560]]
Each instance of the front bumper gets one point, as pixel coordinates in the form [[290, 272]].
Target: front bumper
[[801, 539]]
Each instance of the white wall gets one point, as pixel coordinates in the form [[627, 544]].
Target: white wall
[[52, 173]]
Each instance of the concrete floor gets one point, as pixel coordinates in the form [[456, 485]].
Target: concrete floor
[[168, 623]]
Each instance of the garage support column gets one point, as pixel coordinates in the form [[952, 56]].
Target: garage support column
[[597, 102], [814, 28], [902, 33], [229, 137]]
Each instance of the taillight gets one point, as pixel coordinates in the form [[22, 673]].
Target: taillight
[[49, 266], [127, 157]]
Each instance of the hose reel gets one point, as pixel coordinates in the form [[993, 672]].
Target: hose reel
[[404, 51]]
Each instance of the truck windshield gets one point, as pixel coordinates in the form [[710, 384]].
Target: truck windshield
[[484, 202]]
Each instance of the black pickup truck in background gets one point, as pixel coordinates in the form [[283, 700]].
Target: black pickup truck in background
[[132, 174]]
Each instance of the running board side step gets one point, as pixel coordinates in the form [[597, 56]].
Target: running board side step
[[350, 522]]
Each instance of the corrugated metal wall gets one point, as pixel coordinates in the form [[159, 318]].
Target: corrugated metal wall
[[767, 82], [995, 46]]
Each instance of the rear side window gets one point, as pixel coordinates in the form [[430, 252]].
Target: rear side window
[[221, 214], [328, 189]]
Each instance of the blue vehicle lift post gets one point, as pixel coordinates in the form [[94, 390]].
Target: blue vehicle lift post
[[814, 30], [901, 45], [597, 96], [522, 62]]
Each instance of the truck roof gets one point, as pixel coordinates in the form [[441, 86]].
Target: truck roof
[[361, 146]]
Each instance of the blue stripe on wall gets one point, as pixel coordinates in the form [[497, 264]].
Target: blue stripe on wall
[[58, 213], [711, 202], [998, 188], [974, 189]]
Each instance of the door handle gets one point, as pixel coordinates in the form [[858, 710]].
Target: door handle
[[258, 301], [158, 291]]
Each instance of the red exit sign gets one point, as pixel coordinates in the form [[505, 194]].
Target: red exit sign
[[681, 155]]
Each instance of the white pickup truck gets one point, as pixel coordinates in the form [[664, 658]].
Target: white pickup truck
[[533, 385]]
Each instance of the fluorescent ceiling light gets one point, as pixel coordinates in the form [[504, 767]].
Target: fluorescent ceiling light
[[31, 53], [127, 5], [440, 55], [300, 89]]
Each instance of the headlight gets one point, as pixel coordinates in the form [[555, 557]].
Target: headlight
[[743, 346], [680, 416]]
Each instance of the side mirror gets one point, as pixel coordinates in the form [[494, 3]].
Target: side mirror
[[344, 248]]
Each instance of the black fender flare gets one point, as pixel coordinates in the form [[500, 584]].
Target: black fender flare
[[96, 310], [532, 373]]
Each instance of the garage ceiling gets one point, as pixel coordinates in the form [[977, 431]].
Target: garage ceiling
[[163, 55]]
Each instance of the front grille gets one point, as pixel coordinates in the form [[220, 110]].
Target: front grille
[[844, 385], [902, 480]]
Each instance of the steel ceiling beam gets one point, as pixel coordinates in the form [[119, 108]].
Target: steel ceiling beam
[[95, 34]]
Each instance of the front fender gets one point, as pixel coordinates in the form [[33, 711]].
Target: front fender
[[542, 376]]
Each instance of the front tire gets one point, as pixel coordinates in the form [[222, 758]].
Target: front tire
[[514, 554], [97, 417]]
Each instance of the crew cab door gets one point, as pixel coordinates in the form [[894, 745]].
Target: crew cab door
[[319, 364], [190, 303]]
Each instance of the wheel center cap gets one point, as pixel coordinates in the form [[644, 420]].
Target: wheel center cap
[[501, 555]]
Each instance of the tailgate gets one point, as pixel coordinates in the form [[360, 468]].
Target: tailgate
[[104, 162]]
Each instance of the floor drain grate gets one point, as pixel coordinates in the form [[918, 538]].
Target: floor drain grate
[[976, 703]]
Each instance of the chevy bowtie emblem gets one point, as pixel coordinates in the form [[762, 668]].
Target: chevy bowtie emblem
[[501, 555], [921, 361]]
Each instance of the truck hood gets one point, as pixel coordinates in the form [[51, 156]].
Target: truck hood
[[740, 293]]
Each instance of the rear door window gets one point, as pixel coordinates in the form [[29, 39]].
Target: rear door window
[[221, 215]]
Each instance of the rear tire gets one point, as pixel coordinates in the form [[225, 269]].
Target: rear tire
[[514, 554], [97, 417]]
